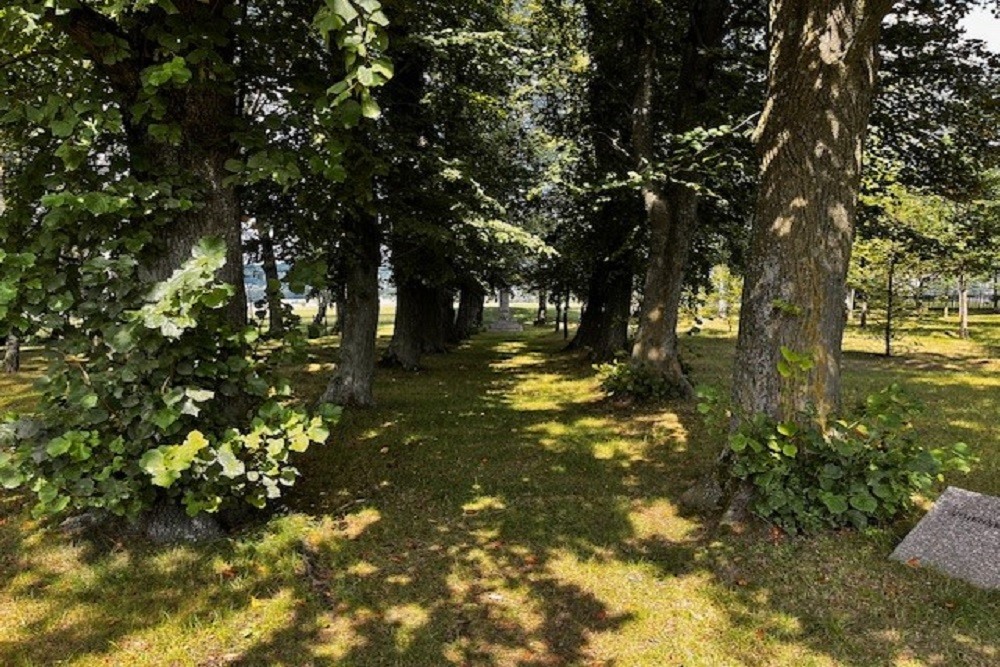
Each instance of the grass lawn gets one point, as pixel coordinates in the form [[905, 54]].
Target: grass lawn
[[493, 510]]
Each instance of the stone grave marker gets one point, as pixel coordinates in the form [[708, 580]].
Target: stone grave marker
[[506, 321], [960, 536]]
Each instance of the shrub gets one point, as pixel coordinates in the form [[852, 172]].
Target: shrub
[[853, 472], [163, 402], [620, 379]]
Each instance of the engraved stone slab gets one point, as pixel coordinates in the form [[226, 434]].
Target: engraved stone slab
[[959, 536]]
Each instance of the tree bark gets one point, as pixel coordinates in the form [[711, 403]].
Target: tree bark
[[341, 307], [890, 303], [275, 306], [603, 329], [352, 381], [12, 354], [419, 325], [810, 138], [205, 111], [671, 211], [963, 305], [322, 303], [471, 299], [542, 316]]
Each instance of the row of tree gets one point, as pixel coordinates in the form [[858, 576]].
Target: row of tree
[[601, 148]]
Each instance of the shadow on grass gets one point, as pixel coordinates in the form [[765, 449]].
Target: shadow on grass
[[494, 511]]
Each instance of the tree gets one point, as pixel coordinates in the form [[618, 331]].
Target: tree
[[821, 82], [672, 210], [123, 243]]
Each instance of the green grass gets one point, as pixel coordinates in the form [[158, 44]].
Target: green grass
[[493, 510]]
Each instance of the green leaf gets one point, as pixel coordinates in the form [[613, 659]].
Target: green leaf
[[864, 502], [154, 463], [232, 467]]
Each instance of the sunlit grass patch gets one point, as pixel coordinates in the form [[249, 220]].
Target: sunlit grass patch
[[494, 510]]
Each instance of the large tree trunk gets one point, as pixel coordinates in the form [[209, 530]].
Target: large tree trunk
[[12, 354], [351, 383], [672, 212], [204, 110], [419, 324], [272, 289], [471, 299], [810, 139], [603, 329]]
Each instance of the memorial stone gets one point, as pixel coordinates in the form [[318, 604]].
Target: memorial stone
[[960, 536]]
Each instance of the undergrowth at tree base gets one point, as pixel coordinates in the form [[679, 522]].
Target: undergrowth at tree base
[[808, 476]]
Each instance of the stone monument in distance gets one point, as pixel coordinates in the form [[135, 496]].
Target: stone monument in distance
[[506, 321]]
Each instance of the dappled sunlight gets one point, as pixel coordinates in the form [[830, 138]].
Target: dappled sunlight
[[495, 510]]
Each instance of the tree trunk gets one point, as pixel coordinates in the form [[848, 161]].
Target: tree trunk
[[322, 303], [890, 303], [996, 291], [470, 305], [275, 306], [863, 312], [603, 329], [12, 354], [963, 305], [810, 139], [559, 312], [850, 302], [351, 383], [565, 317], [542, 316], [419, 325], [341, 308], [671, 214]]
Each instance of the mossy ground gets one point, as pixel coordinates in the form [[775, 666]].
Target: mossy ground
[[494, 510]]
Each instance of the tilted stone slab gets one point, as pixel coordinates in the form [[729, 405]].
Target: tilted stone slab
[[959, 536]]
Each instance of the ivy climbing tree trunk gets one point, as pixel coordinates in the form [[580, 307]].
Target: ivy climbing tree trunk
[[351, 383], [671, 210], [203, 110], [810, 138]]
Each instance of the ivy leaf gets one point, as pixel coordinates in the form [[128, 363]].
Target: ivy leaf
[[232, 467]]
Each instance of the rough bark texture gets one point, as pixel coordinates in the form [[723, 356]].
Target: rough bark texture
[[671, 211], [351, 383], [419, 324], [12, 354], [810, 138], [340, 292], [205, 111], [471, 300], [603, 329], [275, 307], [614, 42]]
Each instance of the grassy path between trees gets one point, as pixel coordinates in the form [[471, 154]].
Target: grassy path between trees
[[495, 511]]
